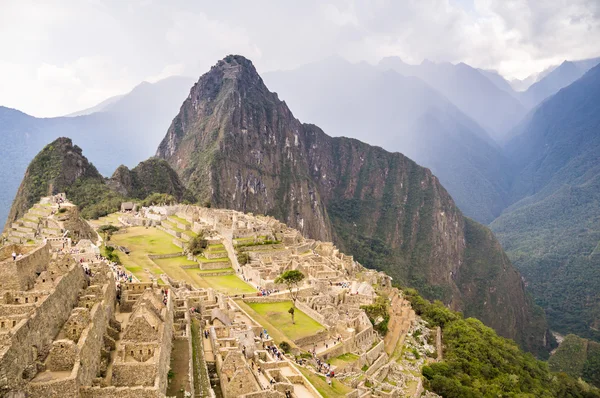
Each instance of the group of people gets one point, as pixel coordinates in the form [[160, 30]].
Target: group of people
[[265, 292], [165, 295], [276, 353]]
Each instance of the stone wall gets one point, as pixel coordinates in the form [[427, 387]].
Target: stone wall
[[22, 273], [37, 333], [91, 342], [312, 313], [120, 392], [214, 265]]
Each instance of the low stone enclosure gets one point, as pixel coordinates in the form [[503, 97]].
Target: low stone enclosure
[[70, 327]]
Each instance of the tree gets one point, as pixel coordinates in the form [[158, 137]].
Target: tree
[[291, 312], [107, 231], [291, 279], [198, 244]]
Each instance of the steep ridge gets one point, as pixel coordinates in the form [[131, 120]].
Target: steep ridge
[[401, 114], [235, 144], [553, 229]]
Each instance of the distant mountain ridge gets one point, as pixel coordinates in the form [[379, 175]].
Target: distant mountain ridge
[[552, 230], [559, 77], [470, 90]]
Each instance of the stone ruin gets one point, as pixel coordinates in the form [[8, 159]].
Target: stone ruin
[[68, 327]]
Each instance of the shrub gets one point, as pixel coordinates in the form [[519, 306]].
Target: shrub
[[285, 346], [197, 245]]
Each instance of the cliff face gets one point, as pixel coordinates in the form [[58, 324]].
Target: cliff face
[[55, 169], [237, 145]]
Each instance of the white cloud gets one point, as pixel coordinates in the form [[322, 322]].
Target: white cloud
[[59, 56]]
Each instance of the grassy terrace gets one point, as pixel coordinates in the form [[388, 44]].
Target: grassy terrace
[[276, 316], [111, 219], [174, 262], [337, 389], [180, 220], [344, 359], [141, 242]]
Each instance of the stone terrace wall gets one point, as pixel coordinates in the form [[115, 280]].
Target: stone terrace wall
[[121, 392], [91, 341], [38, 332], [21, 274]]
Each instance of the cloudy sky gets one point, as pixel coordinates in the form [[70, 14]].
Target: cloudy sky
[[59, 56]]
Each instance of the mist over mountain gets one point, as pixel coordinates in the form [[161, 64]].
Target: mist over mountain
[[493, 108], [401, 114], [124, 130], [554, 79], [552, 231]]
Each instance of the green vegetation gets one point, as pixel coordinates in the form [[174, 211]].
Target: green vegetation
[[243, 258], [107, 230], [379, 309], [285, 346], [142, 241], [109, 253], [336, 390], [230, 284], [577, 357], [292, 279], [197, 245], [479, 363], [277, 315], [344, 359]]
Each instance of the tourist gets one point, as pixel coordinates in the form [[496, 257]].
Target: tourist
[[14, 256]]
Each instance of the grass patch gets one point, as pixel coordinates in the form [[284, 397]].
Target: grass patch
[[344, 359], [336, 390], [278, 316], [141, 242], [229, 284], [180, 220]]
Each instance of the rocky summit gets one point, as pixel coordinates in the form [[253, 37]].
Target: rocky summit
[[236, 145]]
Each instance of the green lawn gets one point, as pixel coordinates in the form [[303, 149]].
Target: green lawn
[[336, 390], [278, 316], [230, 284], [141, 242]]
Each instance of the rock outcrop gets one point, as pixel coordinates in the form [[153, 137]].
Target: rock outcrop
[[236, 145], [150, 176]]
